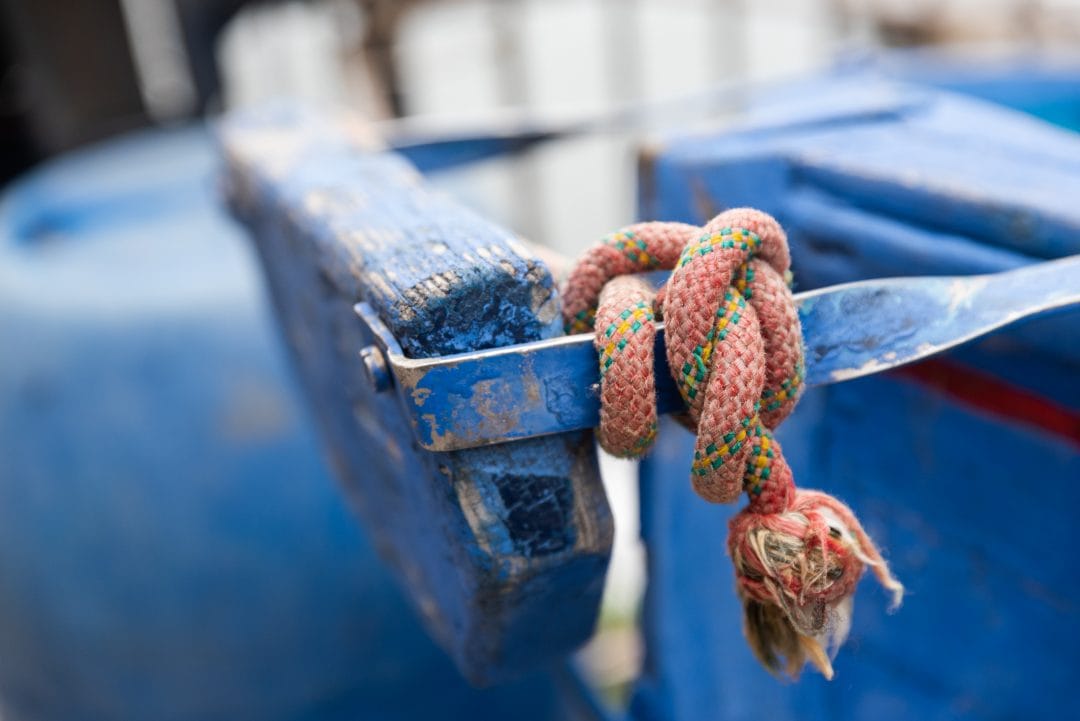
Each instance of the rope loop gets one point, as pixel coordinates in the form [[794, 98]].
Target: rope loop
[[734, 347]]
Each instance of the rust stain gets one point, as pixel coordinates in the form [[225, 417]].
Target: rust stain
[[530, 382], [490, 400], [532, 389], [437, 439]]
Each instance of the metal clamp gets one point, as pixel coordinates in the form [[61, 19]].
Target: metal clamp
[[492, 396], [853, 330]]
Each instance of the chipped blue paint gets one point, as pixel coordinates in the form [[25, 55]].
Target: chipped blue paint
[[852, 330], [173, 544], [502, 550], [241, 587]]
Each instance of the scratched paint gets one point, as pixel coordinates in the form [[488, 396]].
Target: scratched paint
[[850, 332], [489, 544]]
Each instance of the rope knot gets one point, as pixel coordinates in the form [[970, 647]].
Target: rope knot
[[734, 346]]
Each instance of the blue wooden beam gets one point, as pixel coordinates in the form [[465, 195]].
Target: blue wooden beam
[[172, 545], [502, 550]]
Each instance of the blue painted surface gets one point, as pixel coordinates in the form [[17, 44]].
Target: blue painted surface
[[921, 173], [432, 152], [468, 400], [1042, 84], [172, 547], [970, 507], [172, 544], [503, 549]]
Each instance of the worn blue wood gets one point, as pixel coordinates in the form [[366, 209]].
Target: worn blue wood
[[502, 550], [467, 400], [876, 179], [172, 544]]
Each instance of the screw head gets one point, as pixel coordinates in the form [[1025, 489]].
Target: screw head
[[375, 368]]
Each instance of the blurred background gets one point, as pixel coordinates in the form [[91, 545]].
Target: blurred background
[[75, 74]]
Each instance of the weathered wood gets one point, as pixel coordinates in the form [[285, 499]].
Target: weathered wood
[[502, 550], [172, 543], [875, 179]]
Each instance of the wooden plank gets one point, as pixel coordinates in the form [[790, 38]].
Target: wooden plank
[[172, 543], [502, 550]]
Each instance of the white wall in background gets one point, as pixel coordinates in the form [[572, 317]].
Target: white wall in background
[[291, 50]]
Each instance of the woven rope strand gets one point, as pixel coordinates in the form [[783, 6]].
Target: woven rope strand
[[734, 346]]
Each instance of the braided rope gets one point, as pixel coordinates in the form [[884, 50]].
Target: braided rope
[[734, 346]]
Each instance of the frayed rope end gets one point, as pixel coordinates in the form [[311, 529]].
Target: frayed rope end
[[797, 571]]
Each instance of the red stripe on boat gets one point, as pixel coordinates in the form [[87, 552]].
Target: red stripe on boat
[[990, 393]]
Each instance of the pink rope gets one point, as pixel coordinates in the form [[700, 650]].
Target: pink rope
[[734, 346]]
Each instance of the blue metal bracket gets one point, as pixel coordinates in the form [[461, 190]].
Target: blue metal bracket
[[852, 330]]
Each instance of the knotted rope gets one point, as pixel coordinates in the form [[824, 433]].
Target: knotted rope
[[734, 346]]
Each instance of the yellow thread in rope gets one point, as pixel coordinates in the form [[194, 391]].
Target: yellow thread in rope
[[722, 452], [726, 238], [730, 315], [631, 321], [633, 248]]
